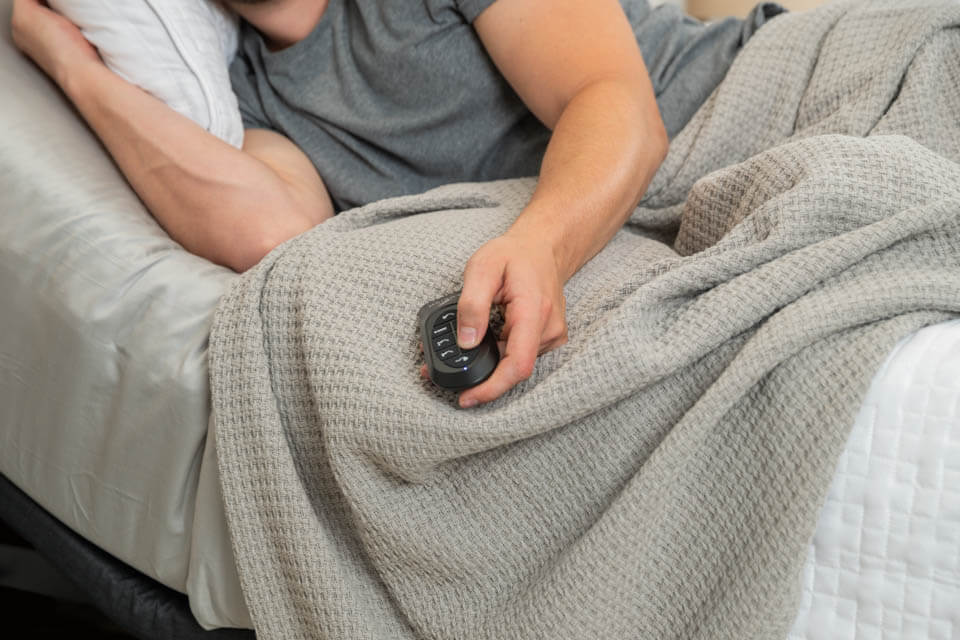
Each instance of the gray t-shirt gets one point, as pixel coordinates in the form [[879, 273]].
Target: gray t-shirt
[[390, 97]]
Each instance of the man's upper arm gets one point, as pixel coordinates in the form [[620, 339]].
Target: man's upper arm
[[293, 166], [550, 49]]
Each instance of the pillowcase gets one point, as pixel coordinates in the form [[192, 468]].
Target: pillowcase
[[177, 50]]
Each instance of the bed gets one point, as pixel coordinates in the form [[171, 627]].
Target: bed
[[107, 441], [131, 471]]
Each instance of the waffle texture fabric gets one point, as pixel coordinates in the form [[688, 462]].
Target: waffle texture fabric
[[659, 476]]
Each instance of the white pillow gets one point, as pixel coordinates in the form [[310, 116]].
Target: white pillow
[[178, 50]]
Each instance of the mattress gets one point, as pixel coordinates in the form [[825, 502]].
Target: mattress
[[885, 559], [105, 416]]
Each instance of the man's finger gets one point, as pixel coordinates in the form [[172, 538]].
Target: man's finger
[[517, 363], [480, 285]]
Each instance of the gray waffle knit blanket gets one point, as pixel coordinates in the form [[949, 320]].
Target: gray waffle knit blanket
[[661, 474]]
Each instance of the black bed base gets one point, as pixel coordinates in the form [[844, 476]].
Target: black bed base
[[133, 601]]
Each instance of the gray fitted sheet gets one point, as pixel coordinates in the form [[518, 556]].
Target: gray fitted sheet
[[104, 320]]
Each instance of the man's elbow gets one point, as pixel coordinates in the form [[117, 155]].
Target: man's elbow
[[254, 244]]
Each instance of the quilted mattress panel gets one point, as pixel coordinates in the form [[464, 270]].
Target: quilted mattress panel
[[885, 559]]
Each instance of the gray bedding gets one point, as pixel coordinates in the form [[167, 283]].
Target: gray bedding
[[660, 475]]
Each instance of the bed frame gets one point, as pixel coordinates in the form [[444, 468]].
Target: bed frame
[[133, 601]]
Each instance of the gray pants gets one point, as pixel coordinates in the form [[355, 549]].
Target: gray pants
[[687, 58]]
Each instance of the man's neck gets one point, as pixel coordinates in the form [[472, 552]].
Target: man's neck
[[282, 22]]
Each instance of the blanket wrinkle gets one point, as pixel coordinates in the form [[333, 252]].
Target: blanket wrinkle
[[660, 475]]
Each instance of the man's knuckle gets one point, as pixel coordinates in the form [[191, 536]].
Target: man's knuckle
[[470, 305], [546, 307], [478, 262], [555, 330], [523, 369]]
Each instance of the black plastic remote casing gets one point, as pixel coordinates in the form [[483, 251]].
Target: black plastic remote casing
[[448, 366]]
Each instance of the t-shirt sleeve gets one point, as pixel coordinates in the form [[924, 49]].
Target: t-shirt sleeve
[[251, 120], [244, 83], [472, 8]]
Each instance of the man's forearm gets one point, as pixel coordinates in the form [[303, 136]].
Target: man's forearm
[[605, 150], [215, 200]]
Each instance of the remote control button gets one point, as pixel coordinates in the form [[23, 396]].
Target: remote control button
[[448, 354], [462, 360], [446, 316], [444, 342], [439, 330]]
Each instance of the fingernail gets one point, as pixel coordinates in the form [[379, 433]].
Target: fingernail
[[466, 403], [467, 337]]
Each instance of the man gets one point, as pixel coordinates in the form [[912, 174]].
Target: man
[[350, 101]]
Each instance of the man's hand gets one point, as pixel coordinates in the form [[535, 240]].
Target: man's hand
[[519, 272], [52, 41]]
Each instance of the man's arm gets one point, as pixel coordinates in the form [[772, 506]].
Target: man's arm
[[577, 66], [231, 206]]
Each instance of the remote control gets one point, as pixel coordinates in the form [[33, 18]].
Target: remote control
[[448, 366]]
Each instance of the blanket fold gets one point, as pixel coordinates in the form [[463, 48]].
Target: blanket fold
[[660, 475]]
